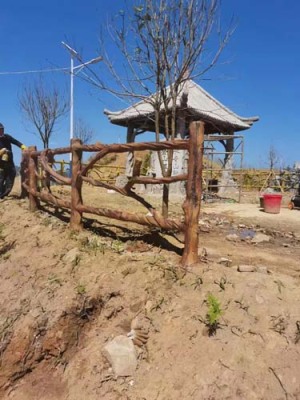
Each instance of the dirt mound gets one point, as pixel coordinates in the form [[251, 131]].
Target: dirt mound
[[65, 295], [113, 165]]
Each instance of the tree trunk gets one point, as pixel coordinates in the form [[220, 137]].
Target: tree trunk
[[165, 201]]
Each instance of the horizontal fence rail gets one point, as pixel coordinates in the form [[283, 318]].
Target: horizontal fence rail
[[37, 170]]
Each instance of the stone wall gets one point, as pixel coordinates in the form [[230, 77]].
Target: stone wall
[[179, 166]]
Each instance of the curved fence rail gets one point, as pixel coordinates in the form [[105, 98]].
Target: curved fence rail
[[37, 171]]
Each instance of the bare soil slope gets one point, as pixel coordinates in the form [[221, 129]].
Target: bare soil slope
[[63, 296]]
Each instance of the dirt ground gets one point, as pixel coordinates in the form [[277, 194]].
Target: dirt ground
[[63, 296]]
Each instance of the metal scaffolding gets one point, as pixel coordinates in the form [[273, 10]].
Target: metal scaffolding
[[220, 176]]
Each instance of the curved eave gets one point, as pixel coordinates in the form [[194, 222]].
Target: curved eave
[[218, 124]]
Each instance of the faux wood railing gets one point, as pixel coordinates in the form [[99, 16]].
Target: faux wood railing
[[36, 166]]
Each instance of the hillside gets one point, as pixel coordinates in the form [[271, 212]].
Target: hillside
[[65, 296]]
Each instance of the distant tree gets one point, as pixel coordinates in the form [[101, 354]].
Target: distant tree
[[273, 158], [82, 131], [43, 108], [160, 45]]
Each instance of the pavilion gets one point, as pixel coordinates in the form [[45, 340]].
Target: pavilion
[[193, 104]]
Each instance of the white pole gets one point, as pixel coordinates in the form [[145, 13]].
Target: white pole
[[78, 68], [72, 102]]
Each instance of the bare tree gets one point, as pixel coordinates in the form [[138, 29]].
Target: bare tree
[[42, 107], [273, 158], [162, 43], [82, 131]]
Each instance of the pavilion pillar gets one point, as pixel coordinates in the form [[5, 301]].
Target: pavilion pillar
[[180, 125], [130, 155], [181, 117], [227, 184], [229, 148]]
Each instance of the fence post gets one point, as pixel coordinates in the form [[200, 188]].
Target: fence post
[[24, 173], [192, 203], [32, 171], [76, 185]]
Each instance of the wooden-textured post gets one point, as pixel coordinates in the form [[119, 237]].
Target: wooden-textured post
[[32, 181], [76, 186], [192, 203], [24, 173]]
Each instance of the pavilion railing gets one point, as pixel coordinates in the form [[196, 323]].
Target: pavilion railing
[[37, 171]]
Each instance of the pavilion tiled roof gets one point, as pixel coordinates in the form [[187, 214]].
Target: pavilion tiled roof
[[199, 103]]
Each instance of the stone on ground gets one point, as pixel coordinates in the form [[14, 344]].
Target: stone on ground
[[121, 354], [260, 237]]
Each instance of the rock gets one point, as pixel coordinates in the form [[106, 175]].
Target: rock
[[246, 268], [259, 299], [225, 261], [121, 181], [148, 306], [137, 306], [289, 235], [262, 269], [260, 237], [242, 226], [203, 225], [233, 237], [202, 252], [138, 336], [72, 255], [121, 354]]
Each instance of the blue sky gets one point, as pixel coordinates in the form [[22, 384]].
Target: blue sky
[[259, 73]]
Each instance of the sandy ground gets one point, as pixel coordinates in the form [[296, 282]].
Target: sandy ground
[[64, 296], [286, 219]]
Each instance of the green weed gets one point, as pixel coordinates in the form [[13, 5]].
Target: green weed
[[280, 285], [92, 245], [158, 304], [157, 260], [46, 221], [76, 261], [81, 289], [54, 279], [118, 246], [213, 314], [5, 248]]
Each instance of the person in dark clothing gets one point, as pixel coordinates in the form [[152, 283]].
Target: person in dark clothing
[[7, 166]]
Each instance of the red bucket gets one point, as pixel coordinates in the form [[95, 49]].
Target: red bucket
[[272, 203]]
